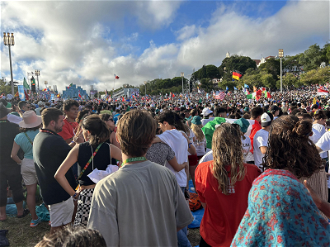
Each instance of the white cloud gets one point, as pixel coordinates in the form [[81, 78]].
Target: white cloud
[[71, 42], [186, 32]]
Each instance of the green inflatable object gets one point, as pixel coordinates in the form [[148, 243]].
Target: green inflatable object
[[209, 129]]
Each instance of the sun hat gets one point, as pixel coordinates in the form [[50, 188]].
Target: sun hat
[[30, 120], [243, 124], [196, 120], [3, 110], [206, 111]]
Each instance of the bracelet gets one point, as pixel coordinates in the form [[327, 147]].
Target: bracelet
[[189, 145], [74, 195]]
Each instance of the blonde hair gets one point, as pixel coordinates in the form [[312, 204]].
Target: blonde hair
[[197, 129], [227, 151]]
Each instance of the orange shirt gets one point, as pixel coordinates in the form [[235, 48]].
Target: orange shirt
[[223, 213], [68, 130]]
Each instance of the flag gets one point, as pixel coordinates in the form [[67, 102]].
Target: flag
[[220, 96], [116, 76], [246, 86], [247, 92], [79, 95], [237, 75], [235, 88], [254, 89], [226, 89], [322, 92], [70, 85], [26, 86], [267, 95], [106, 92]]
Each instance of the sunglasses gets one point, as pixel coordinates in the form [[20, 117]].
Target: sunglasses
[[110, 119]]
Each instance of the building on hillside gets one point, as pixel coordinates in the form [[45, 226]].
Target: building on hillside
[[72, 92]]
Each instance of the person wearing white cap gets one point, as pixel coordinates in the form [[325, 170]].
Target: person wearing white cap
[[29, 129], [260, 140], [207, 113]]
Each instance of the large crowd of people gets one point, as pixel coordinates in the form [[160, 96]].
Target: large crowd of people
[[118, 171]]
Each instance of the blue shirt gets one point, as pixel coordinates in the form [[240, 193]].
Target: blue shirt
[[25, 144]]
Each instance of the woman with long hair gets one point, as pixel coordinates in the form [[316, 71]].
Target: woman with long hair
[[199, 143], [95, 153], [223, 186], [112, 127], [281, 212], [29, 128]]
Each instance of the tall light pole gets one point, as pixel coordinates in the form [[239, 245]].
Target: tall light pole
[[182, 75], [37, 73], [281, 55], [145, 88], [9, 40]]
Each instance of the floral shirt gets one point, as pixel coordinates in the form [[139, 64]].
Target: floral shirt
[[281, 212]]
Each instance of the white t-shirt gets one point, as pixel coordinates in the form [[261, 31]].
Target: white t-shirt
[[179, 145], [321, 129], [207, 157], [246, 145], [324, 144], [316, 136], [205, 121], [260, 140]]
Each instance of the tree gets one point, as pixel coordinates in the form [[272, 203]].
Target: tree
[[240, 63], [206, 83], [315, 76], [312, 57], [267, 79], [272, 66]]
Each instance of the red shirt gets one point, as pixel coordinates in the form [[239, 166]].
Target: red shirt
[[68, 130], [223, 213], [254, 130]]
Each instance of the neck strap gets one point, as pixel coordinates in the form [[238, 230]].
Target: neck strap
[[133, 159]]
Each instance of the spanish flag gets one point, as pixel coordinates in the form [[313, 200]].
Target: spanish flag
[[236, 75]]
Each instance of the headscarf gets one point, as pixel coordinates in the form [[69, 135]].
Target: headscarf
[[281, 213]]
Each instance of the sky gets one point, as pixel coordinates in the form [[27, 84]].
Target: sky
[[87, 42]]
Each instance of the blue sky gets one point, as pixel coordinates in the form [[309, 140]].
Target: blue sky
[[86, 43]]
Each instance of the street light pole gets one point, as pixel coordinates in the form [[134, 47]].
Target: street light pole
[[9, 40], [182, 75], [37, 73], [281, 54]]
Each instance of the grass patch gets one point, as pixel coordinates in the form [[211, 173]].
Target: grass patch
[[20, 234]]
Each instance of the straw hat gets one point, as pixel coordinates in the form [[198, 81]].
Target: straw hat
[[30, 120]]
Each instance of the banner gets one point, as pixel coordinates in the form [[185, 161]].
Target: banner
[[52, 97], [21, 93]]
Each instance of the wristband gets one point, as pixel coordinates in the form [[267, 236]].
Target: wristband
[[189, 145], [74, 195]]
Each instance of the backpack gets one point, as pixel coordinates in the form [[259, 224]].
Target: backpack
[[194, 202]]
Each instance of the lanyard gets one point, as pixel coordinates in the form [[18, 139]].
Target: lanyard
[[47, 131], [3, 121], [133, 159], [28, 138], [89, 161]]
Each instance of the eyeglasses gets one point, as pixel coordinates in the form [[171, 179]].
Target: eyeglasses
[[110, 119]]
